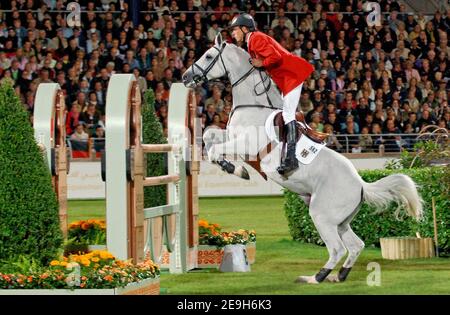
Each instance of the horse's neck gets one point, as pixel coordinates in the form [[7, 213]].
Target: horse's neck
[[244, 93]]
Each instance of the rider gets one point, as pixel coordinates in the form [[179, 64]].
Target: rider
[[288, 71]]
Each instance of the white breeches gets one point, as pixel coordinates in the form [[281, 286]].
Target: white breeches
[[290, 103]]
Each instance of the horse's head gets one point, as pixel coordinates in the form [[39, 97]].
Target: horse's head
[[209, 66]]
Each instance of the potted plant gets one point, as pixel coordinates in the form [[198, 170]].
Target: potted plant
[[212, 240]]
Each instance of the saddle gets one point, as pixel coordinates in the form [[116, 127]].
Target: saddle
[[302, 128]]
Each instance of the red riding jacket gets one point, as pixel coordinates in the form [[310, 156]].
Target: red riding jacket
[[287, 70]]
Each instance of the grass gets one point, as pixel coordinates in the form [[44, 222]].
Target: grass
[[279, 260]]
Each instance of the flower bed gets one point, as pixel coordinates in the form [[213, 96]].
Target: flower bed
[[211, 243], [85, 236], [97, 270]]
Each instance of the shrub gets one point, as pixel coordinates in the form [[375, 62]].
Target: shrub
[[152, 133], [424, 154], [432, 181], [29, 220]]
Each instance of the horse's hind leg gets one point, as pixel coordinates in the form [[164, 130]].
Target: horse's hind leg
[[354, 247], [329, 233], [352, 243]]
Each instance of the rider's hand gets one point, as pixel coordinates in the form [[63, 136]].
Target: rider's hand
[[257, 62]]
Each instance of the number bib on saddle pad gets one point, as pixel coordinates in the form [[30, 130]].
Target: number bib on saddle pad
[[306, 149]]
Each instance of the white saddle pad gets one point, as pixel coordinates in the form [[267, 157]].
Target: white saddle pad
[[306, 149], [270, 128]]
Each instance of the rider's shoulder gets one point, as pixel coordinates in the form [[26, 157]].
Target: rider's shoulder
[[258, 35]]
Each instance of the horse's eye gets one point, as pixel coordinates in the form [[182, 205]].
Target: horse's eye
[[208, 57]]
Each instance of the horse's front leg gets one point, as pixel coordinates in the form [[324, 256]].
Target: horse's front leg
[[212, 137], [214, 140]]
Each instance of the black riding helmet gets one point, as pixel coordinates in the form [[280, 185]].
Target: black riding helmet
[[244, 20]]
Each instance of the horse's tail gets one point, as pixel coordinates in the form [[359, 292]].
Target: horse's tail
[[398, 188]]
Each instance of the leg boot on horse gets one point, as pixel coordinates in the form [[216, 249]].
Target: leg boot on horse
[[230, 168]]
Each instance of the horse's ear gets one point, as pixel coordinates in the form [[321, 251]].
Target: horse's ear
[[219, 40]]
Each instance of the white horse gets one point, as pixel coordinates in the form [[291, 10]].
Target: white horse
[[330, 184]]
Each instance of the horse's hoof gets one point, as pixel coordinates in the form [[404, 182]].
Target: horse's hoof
[[242, 172], [332, 278], [307, 279]]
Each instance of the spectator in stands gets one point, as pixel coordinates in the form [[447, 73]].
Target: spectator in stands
[[79, 133], [225, 115], [402, 65], [216, 100], [210, 112], [365, 140], [332, 141], [73, 118], [425, 120], [91, 118], [99, 138]]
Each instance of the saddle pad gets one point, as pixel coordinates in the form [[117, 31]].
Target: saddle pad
[[270, 128], [307, 150]]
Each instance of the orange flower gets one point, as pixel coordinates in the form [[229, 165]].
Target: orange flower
[[203, 223], [108, 278], [82, 285], [74, 225], [85, 262], [30, 279], [54, 263], [85, 226], [106, 255], [7, 278]]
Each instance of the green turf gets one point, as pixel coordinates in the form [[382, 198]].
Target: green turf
[[279, 260], [82, 210]]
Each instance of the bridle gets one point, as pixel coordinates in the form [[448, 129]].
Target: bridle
[[197, 78]]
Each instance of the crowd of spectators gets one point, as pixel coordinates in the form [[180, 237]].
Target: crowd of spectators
[[368, 80]]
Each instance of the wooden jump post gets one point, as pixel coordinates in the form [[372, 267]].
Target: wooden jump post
[[132, 231], [50, 134]]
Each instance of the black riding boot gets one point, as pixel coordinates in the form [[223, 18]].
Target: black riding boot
[[290, 163]]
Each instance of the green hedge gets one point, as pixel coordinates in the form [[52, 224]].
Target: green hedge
[[153, 133], [29, 220], [432, 181]]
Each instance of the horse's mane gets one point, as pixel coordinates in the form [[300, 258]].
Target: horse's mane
[[239, 50]]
